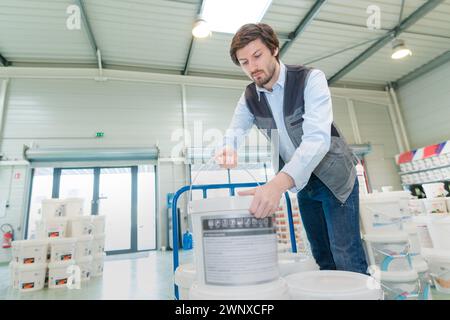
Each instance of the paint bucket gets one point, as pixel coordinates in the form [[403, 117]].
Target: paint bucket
[[62, 249], [333, 285], [232, 247], [274, 290], [185, 276], [29, 251]]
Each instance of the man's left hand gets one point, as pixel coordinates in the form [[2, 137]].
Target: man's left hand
[[266, 198]]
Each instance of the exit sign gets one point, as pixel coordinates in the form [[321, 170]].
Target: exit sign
[[99, 134]]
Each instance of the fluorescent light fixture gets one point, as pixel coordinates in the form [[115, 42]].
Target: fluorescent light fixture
[[229, 15], [399, 50], [201, 29]]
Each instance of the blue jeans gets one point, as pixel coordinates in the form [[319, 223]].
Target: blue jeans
[[332, 227]]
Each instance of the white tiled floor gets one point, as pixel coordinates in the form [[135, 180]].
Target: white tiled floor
[[141, 276]]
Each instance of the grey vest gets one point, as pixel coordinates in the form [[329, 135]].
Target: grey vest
[[337, 169]]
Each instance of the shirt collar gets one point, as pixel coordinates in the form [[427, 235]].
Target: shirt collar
[[280, 82]]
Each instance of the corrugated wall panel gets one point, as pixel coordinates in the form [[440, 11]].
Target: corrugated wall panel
[[425, 107], [69, 112]]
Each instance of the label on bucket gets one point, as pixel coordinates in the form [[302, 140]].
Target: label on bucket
[[239, 250], [66, 257], [60, 282], [28, 260], [53, 234], [28, 285]]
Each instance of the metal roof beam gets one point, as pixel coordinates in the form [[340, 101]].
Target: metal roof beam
[[3, 61], [427, 67], [405, 24], [88, 28], [191, 45], [302, 26]]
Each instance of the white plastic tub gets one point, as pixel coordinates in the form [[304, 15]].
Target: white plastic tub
[[98, 244], [439, 264], [53, 208], [29, 277], [74, 207], [97, 264], [83, 246], [80, 226], [400, 285], [232, 248], [390, 252], [414, 241], [385, 211], [440, 232], [274, 290], [434, 190], [99, 224], [85, 264], [333, 285], [59, 274], [421, 224], [290, 263], [29, 251], [416, 207], [51, 228], [62, 249], [435, 206], [184, 278]]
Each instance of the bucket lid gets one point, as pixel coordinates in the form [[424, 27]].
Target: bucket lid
[[436, 255], [99, 236], [220, 204], [419, 264], [331, 284], [100, 256], [100, 217], [60, 264], [399, 276], [29, 267], [185, 275], [393, 237], [28, 243], [264, 291], [74, 199], [54, 220], [86, 237], [62, 240], [84, 259], [77, 218], [52, 201]]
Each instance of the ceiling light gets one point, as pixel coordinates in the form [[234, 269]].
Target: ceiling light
[[201, 29], [399, 50]]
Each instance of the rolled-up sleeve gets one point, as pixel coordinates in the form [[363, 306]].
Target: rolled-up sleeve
[[316, 137], [240, 125]]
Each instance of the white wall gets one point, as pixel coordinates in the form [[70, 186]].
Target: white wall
[[425, 104], [67, 113]]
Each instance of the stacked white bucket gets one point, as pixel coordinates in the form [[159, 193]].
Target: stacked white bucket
[[68, 246], [431, 216], [236, 257], [393, 245]]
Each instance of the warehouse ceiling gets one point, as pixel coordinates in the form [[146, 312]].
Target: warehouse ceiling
[[155, 35]]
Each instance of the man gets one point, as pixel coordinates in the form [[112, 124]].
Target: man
[[315, 161]]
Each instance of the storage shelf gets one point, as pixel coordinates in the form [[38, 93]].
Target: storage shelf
[[434, 181], [402, 173]]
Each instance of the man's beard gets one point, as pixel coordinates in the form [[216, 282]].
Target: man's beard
[[263, 81]]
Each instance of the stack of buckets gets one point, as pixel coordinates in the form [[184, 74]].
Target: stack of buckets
[[236, 256], [68, 249], [393, 246]]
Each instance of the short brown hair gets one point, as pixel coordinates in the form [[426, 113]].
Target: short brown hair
[[250, 32]]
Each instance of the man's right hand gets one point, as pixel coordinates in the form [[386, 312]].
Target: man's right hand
[[226, 157]]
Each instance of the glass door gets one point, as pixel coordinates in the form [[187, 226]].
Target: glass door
[[114, 201]]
